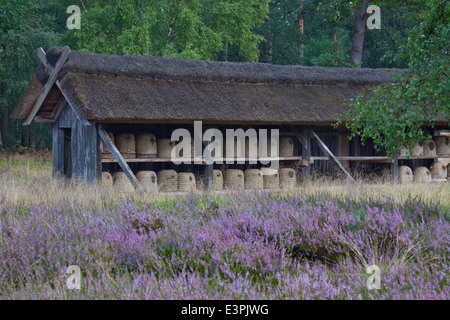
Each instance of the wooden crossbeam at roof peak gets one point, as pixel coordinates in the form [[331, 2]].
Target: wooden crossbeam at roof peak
[[49, 84]]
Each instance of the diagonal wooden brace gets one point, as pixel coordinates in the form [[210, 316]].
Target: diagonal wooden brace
[[48, 85], [120, 160], [325, 149]]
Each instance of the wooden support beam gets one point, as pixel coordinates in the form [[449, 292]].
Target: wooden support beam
[[43, 58], [343, 148], [120, 160], [306, 153], [394, 170], [209, 170], [325, 149], [99, 156], [59, 109], [48, 85], [299, 136], [84, 122], [41, 55]]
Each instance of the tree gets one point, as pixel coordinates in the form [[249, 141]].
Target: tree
[[381, 46], [395, 115], [24, 26], [282, 35], [354, 14], [198, 29], [295, 33]]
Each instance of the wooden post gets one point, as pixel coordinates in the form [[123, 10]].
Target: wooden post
[[208, 171], [209, 177], [99, 165], [306, 153], [343, 148], [394, 169], [120, 160], [305, 141], [58, 151], [325, 149]]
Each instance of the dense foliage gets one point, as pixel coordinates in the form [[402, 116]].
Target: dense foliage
[[190, 29], [396, 114], [307, 32]]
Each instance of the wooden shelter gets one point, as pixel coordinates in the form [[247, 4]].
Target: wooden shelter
[[84, 94]]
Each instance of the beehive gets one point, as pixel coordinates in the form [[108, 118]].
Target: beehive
[[442, 145], [253, 179], [187, 155], [271, 178], [271, 145], [429, 148], [288, 179], [121, 183], [186, 182], [126, 144], [237, 149], [217, 180], [417, 150], [106, 153], [234, 179], [218, 151], [422, 175], [403, 151], [148, 180], [405, 174], [146, 146], [107, 179], [254, 150], [286, 147], [167, 180], [438, 170], [164, 147]]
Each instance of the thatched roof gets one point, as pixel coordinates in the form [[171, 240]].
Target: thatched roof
[[157, 89]]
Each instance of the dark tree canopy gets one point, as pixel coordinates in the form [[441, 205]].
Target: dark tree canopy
[[394, 115], [305, 32]]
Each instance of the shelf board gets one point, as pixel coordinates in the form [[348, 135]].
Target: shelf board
[[424, 157], [378, 158], [295, 160]]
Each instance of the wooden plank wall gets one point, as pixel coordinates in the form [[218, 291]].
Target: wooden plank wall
[[84, 146], [84, 151], [58, 151]]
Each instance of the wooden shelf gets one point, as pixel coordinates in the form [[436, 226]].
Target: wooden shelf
[[131, 160], [295, 160], [423, 157], [377, 158]]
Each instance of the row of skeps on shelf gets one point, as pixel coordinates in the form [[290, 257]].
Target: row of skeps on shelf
[[437, 172], [230, 179], [439, 146], [146, 145]]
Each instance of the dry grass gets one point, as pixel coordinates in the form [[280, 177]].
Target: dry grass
[[28, 179]]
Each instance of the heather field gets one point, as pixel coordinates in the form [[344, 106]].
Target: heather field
[[313, 243]]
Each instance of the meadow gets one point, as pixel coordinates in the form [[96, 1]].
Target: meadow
[[312, 243]]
